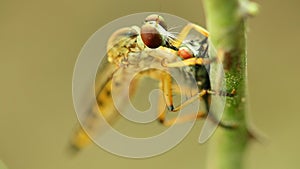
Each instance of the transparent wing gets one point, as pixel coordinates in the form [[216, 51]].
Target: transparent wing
[[89, 119], [94, 110]]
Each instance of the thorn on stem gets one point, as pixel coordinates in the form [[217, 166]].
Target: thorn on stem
[[248, 9], [254, 135]]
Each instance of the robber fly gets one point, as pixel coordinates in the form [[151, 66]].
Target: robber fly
[[132, 48], [126, 54]]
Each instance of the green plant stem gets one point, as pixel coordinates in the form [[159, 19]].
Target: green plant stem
[[226, 24]]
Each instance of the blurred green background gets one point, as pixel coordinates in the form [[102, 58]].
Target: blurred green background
[[40, 41]]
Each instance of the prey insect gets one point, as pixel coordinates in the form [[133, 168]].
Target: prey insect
[[133, 48], [195, 59]]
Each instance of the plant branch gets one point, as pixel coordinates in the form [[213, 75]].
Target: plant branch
[[226, 22]]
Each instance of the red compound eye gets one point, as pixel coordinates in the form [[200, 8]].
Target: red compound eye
[[150, 36], [159, 19], [185, 53]]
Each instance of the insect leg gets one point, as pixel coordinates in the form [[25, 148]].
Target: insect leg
[[191, 62], [167, 99], [201, 114], [222, 93], [166, 86], [161, 107], [185, 31], [186, 62], [162, 116], [182, 119]]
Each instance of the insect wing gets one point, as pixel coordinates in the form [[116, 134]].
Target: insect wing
[[90, 118], [103, 108]]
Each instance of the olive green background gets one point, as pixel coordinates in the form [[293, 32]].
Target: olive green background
[[39, 44]]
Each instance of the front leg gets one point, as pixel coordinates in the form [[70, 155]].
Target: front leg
[[201, 114], [185, 31]]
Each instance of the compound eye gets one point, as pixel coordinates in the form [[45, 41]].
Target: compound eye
[[158, 19], [150, 36], [185, 53]]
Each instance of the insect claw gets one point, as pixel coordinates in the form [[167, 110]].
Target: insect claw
[[161, 121], [171, 108]]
